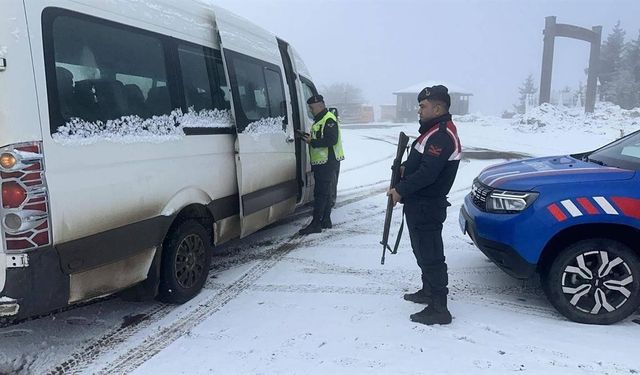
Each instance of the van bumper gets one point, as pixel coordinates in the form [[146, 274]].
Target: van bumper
[[36, 289]]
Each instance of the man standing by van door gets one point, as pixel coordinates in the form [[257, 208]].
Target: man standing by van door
[[325, 152], [429, 173]]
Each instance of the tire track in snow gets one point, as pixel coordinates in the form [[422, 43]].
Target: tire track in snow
[[84, 357], [152, 345], [513, 297], [388, 157], [81, 359]]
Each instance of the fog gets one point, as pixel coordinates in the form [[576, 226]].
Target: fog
[[486, 47]]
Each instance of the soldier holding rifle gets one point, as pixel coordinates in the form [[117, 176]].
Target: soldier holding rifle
[[429, 173]]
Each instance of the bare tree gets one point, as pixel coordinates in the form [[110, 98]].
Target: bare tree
[[342, 93]]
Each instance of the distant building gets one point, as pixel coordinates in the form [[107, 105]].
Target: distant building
[[407, 103], [353, 113], [366, 114], [388, 113]]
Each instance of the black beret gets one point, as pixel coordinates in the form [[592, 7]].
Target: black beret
[[315, 99], [437, 92]]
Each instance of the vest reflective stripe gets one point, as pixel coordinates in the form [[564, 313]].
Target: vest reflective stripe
[[320, 155]]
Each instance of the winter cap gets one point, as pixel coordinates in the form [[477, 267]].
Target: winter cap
[[437, 92], [315, 99]]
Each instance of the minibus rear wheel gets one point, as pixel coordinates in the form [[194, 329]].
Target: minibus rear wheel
[[186, 258]]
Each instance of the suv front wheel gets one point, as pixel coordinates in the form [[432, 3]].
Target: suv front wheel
[[595, 281]]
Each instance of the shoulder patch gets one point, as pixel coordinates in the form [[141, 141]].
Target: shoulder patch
[[330, 123], [434, 150]]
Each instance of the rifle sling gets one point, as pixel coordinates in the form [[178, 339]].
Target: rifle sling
[[395, 247]]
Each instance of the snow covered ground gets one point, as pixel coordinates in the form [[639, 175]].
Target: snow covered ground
[[277, 303]]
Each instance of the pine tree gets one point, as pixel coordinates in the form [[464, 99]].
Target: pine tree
[[610, 62], [579, 95], [526, 90], [627, 86]]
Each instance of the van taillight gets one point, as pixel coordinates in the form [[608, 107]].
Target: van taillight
[[13, 195], [24, 213]]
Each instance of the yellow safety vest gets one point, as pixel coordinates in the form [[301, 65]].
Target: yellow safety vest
[[320, 155]]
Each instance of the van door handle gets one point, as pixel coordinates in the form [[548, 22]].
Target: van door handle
[[290, 139]]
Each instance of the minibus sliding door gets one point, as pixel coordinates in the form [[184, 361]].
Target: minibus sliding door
[[296, 120], [265, 151]]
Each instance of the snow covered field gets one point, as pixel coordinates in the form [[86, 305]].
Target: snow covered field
[[277, 303]]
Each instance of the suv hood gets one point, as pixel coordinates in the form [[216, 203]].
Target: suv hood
[[526, 174]]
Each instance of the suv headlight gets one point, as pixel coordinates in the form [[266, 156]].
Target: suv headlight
[[508, 202]]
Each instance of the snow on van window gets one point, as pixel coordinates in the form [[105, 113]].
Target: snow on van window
[[269, 125], [206, 118], [134, 129]]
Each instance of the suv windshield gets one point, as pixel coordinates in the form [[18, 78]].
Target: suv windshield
[[623, 153]]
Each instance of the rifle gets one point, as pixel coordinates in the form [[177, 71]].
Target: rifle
[[403, 141]]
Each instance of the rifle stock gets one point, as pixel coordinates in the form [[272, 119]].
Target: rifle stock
[[403, 140]]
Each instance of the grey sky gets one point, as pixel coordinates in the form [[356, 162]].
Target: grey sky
[[488, 47]]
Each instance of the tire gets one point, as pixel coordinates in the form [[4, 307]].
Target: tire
[[185, 262], [595, 281]]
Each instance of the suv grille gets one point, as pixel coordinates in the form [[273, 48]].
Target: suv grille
[[479, 193]]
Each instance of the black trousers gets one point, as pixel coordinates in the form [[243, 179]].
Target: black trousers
[[424, 220], [334, 187], [325, 177]]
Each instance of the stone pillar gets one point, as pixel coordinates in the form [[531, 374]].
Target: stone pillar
[[594, 63], [593, 36], [547, 59]]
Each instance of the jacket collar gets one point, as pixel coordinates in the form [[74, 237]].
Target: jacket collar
[[320, 115], [425, 126]]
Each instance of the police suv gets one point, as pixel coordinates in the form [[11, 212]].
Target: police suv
[[573, 219]]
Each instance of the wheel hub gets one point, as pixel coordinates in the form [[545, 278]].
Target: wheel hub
[[190, 261]]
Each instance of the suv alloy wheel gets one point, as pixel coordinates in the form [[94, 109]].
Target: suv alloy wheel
[[595, 281]]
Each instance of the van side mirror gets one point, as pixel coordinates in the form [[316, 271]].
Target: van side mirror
[[334, 110]]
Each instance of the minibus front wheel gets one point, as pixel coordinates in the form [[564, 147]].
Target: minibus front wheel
[[185, 265]]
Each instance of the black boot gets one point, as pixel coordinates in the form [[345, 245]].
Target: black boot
[[431, 316], [326, 223], [314, 227], [435, 313], [418, 297]]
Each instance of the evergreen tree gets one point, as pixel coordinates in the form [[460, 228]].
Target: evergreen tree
[[579, 95], [610, 62], [627, 84], [526, 91]]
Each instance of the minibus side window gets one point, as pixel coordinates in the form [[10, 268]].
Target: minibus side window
[[308, 91], [253, 91], [104, 71], [195, 77], [223, 99], [258, 89], [205, 85], [275, 90]]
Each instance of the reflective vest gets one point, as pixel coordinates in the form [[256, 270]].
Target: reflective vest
[[320, 155]]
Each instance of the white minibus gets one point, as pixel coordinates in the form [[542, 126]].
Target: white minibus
[[134, 137]]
